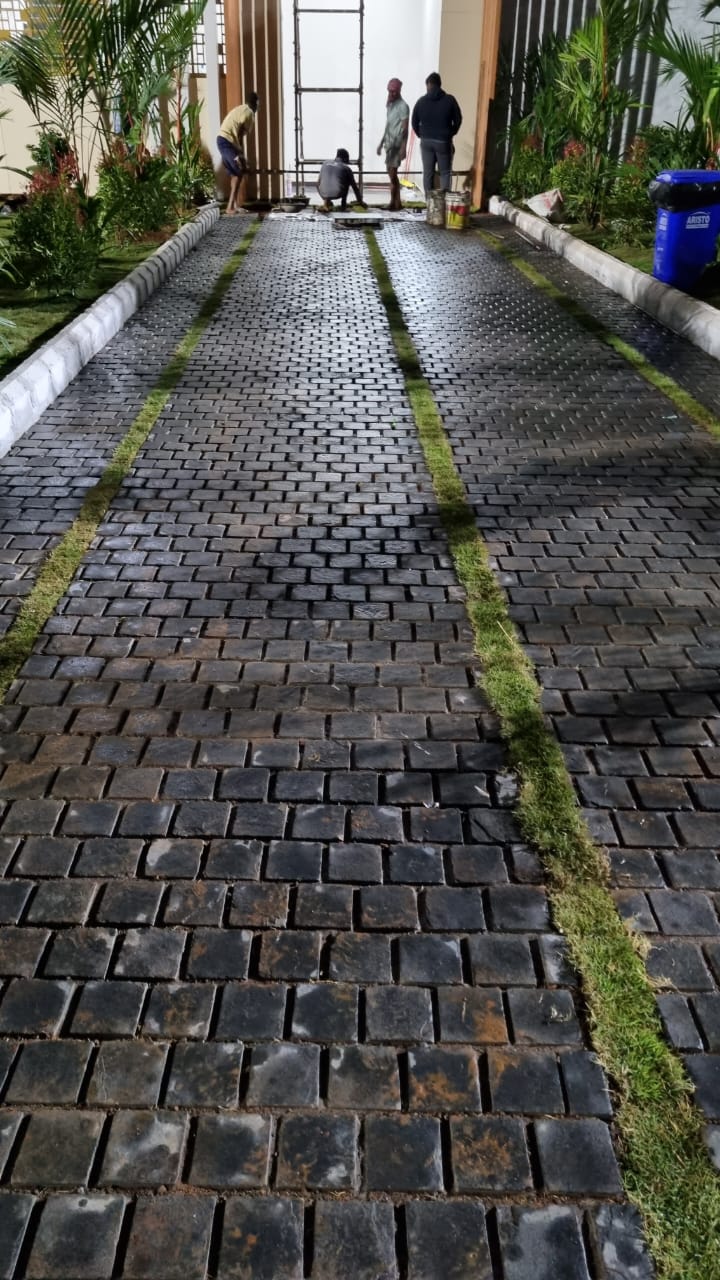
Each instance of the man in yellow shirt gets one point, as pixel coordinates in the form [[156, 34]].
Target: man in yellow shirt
[[234, 130]]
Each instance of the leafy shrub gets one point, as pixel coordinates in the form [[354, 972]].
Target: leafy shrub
[[671, 147], [51, 152], [527, 173], [56, 237], [631, 215], [136, 191], [575, 177], [193, 172]]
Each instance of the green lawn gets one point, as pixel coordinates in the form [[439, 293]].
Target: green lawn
[[640, 256], [37, 317]]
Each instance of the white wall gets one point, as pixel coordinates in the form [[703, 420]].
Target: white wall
[[18, 131], [685, 15], [402, 38], [460, 55]]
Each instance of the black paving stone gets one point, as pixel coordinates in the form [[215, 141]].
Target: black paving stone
[[354, 1239], [32, 1006], [363, 1078], [577, 1158], [704, 1071], [489, 1154], [396, 1015], [76, 1237], [402, 1153], [204, 1075], [15, 1212], [318, 1152], [284, 1075], [48, 1071], [80, 953], [620, 1242], [20, 950], [262, 1239], [174, 1228], [448, 1240], [443, 1080], [252, 1011], [127, 1074], [525, 1082], [151, 953], [472, 1015], [429, 960], [231, 1151], [544, 1017], [108, 1009], [179, 1010], [144, 1149], [289, 956], [497, 960], [58, 1149], [219, 953], [360, 957], [542, 1244], [326, 1012]]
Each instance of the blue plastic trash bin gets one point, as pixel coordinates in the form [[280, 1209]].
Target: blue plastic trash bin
[[688, 224]]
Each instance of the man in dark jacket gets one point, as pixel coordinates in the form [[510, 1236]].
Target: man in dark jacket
[[436, 119]]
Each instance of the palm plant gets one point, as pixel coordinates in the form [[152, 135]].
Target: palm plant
[[72, 62], [546, 118], [146, 84], [696, 61], [594, 101]]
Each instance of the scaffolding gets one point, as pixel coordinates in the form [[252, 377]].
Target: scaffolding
[[303, 162]]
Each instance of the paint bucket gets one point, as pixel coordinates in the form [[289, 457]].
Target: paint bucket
[[435, 211], [457, 210]]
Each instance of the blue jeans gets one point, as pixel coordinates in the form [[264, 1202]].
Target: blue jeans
[[435, 152], [233, 160]]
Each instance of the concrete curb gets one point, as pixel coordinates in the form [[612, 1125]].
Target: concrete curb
[[28, 390], [696, 321]]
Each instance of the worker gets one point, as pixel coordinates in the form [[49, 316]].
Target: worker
[[394, 139], [336, 179], [234, 129], [436, 118]]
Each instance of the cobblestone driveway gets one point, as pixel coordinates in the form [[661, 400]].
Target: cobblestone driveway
[[599, 501], [281, 993]]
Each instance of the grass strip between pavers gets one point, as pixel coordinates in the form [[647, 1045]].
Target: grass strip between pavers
[[666, 1167], [59, 568], [682, 399]]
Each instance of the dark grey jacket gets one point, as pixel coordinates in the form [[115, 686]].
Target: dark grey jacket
[[436, 115]]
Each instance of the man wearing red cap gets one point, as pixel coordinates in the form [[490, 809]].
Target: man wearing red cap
[[394, 139]]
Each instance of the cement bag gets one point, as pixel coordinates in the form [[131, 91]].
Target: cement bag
[[546, 205]]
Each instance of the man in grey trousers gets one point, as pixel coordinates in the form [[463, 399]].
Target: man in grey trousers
[[436, 118]]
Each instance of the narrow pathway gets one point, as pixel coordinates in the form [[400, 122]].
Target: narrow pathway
[[281, 993], [48, 472], [599, 501]]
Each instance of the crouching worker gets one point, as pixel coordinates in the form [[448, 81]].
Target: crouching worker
[[234, 130], [336, 179]]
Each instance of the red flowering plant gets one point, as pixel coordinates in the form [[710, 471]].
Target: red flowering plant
[[56, 235], [136, 189]]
